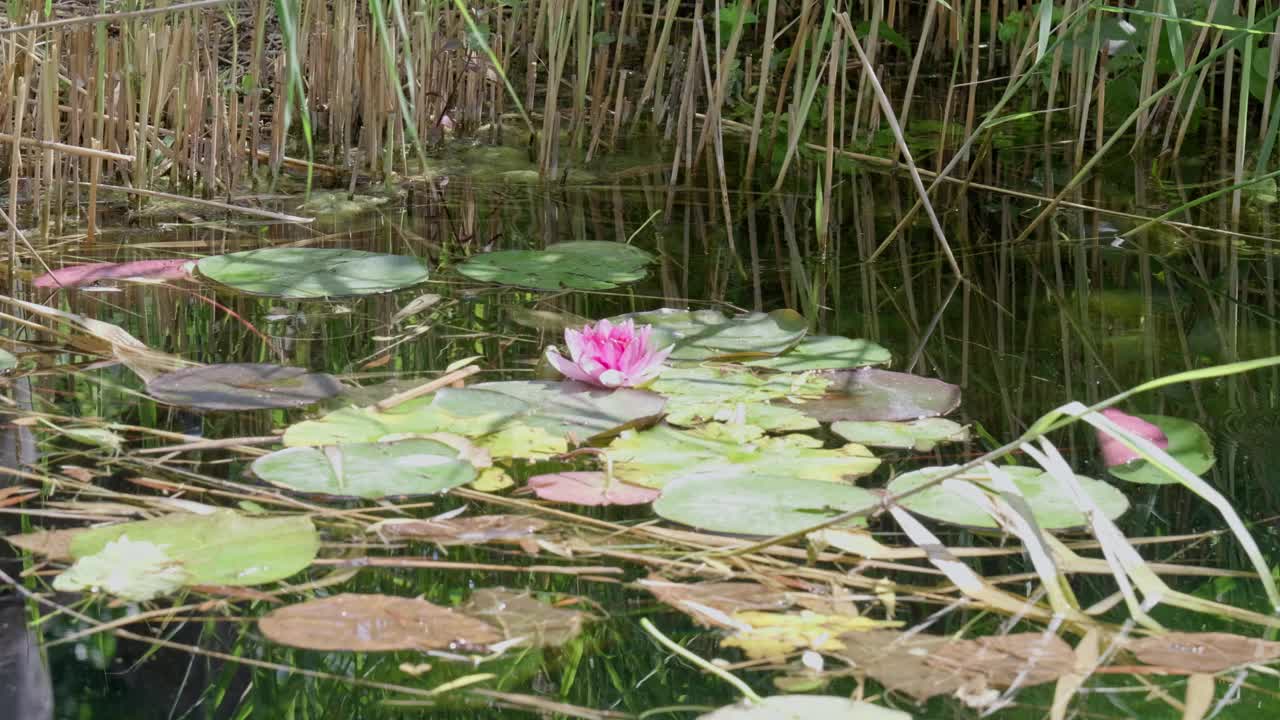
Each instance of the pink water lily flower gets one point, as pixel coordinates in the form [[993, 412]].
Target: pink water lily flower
[[610, 355], [1113, 451]]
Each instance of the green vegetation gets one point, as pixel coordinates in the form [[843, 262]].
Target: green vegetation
[[306, 389]]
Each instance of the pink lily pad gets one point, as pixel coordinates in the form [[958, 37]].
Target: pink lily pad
[[74, 276], [589, 488], [1114, 452]]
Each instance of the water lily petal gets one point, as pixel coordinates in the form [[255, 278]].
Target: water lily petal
[[567, 367], [1114, 452]]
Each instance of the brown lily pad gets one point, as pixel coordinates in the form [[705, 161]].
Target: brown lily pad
[[52, 544], [712, 604], [463, 530], [1203, 652], [371, 623], [243, 386], [868, 394], [521, 616], [1025, 658], [899, 662]]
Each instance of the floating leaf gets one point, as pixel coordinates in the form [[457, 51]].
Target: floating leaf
[[52, 544], [522, 617], [338, 203], [826, 352], [223, 548], [716, 451], [805, 707], [701, 394], [707, 334], [373, 623], [757, 504], [1203, 652], [1005, 660], [470, 530], [776, 635], [74, 276], [303, 272], [589, 488], [899, 662], [492, 480], [712, 604], [510, 419], [133, 570], [1051, 504], [368, 470], [243, 386], [919, 435], [870, 394], [1189, 444], [583, 265], [770, 418]]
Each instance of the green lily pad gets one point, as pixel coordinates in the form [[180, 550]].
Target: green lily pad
[[701, 394], [510, 419], [223, 548], [303, 272], [583, 265], [757, 504], [805, 707], [338, 203], [133, 570], [7, 361], [1050, 503], [242, 386], [708, 334], [1189, 444], [919, 435], [868, 394], [367, 470], [827, 352], [663, 455]]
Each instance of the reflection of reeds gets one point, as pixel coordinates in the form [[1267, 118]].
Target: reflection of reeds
[[195, 91]]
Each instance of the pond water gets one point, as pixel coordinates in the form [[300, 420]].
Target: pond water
[[1076, 311]]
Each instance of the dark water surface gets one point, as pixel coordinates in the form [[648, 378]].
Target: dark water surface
[[1073, 312]]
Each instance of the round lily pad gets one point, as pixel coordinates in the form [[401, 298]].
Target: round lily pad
[[303, 272], [242, 386], [583, 265], [367, 470], [805, 707], [663, 455], [757, 504], [1051, 504], [526, 419], [222, 548], [872, 394], [827, 352], [706, 334], [703, 393], [374, 623], [919, 435], [1189, 444]]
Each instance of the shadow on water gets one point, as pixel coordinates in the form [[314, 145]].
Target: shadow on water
[[1080, 310]]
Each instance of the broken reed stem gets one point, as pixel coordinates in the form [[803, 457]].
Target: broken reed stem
[[426, 388], [94, 152], [95, 176]]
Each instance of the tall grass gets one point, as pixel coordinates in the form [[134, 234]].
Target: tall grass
[[199, 93]]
